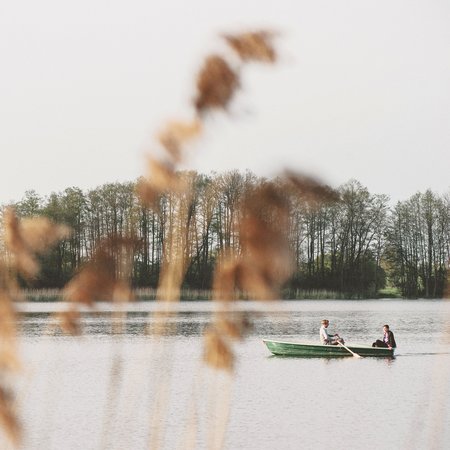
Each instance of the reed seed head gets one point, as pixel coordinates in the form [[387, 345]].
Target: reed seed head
[[31, 236], [216, 84], [311, 190], [100, 279], [176, 134], [253, 46], [217, 353]]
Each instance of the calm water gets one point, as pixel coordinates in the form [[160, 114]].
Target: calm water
[[135, 391]]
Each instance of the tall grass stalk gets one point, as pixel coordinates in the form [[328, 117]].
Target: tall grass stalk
[[258, 269]]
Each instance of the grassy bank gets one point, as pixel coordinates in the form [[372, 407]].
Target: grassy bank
[[144, 294], [149, 294]]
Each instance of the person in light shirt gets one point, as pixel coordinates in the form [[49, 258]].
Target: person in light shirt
[[327, 338], [388, 339]]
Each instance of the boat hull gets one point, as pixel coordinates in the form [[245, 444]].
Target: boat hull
[[283, 348]]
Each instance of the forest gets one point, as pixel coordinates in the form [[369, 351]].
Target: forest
[[356, 247]]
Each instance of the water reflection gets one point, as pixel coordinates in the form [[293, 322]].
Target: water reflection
[[277, 402]]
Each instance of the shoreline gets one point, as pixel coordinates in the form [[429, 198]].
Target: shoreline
[[186, 295]]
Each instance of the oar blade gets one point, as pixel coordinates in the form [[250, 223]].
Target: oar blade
[[355, 355]]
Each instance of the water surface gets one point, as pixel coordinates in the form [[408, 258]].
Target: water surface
[[137, 391]]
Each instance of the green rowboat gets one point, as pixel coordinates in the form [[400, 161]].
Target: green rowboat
[[317, 350]]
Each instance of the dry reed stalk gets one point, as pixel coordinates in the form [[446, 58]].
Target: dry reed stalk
[[147, 194], [69, 321], [217, 353], [262, 267], [161, 401], [260, 270], [161, 179], [175, 262], [265, 262], [9, 363], [253, 46], [176, 134], [30, 237], [311, 190], [105, 276], [266, 254], [176, 251], [121, 296], [9, 360], [160, 330], [171, 277], [8, 416], [189, 439], [220, 399], [113, 392], [225, 276], [163, 176], [216, 84], [25, 239]]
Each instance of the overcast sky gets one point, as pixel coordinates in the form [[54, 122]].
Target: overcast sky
[[362, 90]]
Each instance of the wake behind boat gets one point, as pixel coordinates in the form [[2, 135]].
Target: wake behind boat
[[284, 348]]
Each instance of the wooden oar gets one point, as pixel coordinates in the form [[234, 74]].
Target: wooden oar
[[346, 348]]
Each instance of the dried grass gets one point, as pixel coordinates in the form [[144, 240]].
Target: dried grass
[[69, 321], [24, 239], [259, 269], [176, 134], [9, 360], [311, 190], [253, 46], [216, 84], [100, 278], [217, 352], [8, 416], [29, 237]]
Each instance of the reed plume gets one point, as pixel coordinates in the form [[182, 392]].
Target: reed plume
[[309, 189], [218, 353], [25, 240], [265, 261], [29, 237], [176, 134], [103, 276], [257, 268], [253, 46], [216, 84]]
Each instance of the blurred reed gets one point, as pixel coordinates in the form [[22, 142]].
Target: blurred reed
[[258, 270], [24, 241]]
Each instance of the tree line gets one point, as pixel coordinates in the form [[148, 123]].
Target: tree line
[[356, 246]]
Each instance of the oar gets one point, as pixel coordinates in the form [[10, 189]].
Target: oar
[[353, 353]]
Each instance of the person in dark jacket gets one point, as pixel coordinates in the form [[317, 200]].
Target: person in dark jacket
[[388, 339]]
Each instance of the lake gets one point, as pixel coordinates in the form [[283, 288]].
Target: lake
[[138, 391]]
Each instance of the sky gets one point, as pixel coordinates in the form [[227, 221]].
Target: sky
[[361, 90]]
